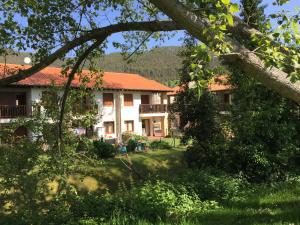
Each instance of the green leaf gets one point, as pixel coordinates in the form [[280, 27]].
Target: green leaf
[[234, 8], [223, 27], [212, 18], [225, 2], [229, 19]]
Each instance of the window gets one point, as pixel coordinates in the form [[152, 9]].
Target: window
[[226, 98], [109, 127], [128, 100], [145, 99], [129, 125], [108, 99]]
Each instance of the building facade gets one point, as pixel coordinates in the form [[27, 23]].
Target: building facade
[[126, 102]]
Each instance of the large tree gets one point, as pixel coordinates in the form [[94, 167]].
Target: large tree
[[56, 28]]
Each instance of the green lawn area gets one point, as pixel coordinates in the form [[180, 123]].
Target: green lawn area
[[266, 205], [112, 172]]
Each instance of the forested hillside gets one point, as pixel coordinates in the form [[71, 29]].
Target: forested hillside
[[159, 64]]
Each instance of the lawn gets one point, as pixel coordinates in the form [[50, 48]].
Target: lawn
[[113, 172], [264, 205]]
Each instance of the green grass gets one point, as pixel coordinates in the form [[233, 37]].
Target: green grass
[[262, 205], [151, 163]]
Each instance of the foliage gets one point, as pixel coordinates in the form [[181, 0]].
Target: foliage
[[265, 127], [126, 136], [253, 13], [131, 145], [203, 155], [103, 150], [160, 145], [211, 184]]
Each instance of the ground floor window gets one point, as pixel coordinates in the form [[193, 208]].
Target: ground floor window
[[109, 127], [129, 125]]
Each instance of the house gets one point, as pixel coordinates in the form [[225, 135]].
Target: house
[[222, 93], [126, 103]]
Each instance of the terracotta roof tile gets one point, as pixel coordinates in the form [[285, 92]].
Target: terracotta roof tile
[[219, 83], [110, 80]]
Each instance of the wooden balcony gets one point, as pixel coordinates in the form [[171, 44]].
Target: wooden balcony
[[13, 111], [153, 108]]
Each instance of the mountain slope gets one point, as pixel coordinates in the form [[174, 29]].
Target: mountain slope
[[159, 64]]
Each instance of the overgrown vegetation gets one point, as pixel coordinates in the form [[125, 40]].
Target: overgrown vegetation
[[257, 138]]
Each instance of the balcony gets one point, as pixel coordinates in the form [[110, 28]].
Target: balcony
[[13, 111], [153, 108]]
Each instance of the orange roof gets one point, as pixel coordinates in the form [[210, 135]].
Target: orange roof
[[175, 90], [110, 80], [219, 83]]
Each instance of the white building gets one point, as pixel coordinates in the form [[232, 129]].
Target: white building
[[128, 102]]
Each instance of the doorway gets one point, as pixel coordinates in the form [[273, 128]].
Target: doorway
[[146, 127]]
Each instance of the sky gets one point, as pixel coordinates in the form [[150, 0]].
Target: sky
[[177, 39]]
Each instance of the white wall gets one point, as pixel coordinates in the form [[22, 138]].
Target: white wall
[[108, 113], [132, 113]]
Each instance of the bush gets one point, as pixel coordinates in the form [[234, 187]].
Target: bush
[[84, 145], [131, 145], [214, 185], [126, 136], [104, 150], [160, 145], [160, 200]]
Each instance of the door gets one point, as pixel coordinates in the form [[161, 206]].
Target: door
[[145, 99], [21, 99], [146, 127]]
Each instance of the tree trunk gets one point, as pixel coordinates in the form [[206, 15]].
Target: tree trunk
[[271, 77]]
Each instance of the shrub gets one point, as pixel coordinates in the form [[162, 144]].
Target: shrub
[[131, 145], [203, 155], [214, 185], [84, 145], [126, 136], [160, 200], [160, 145], [104, 150]]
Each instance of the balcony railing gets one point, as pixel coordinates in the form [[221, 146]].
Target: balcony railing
[[153, 108], [13, 111]]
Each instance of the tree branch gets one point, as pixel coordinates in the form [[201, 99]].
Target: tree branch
[[100, 33], [68, 85]]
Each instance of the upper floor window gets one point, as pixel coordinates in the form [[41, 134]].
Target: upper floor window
[[108, 99], [145, 99], [128, 100]]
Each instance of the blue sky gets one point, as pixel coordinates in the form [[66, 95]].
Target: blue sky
[[176, 40]]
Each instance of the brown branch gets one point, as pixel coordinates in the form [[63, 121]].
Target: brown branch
[[104, 32], [138, 47], [68, 85]]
